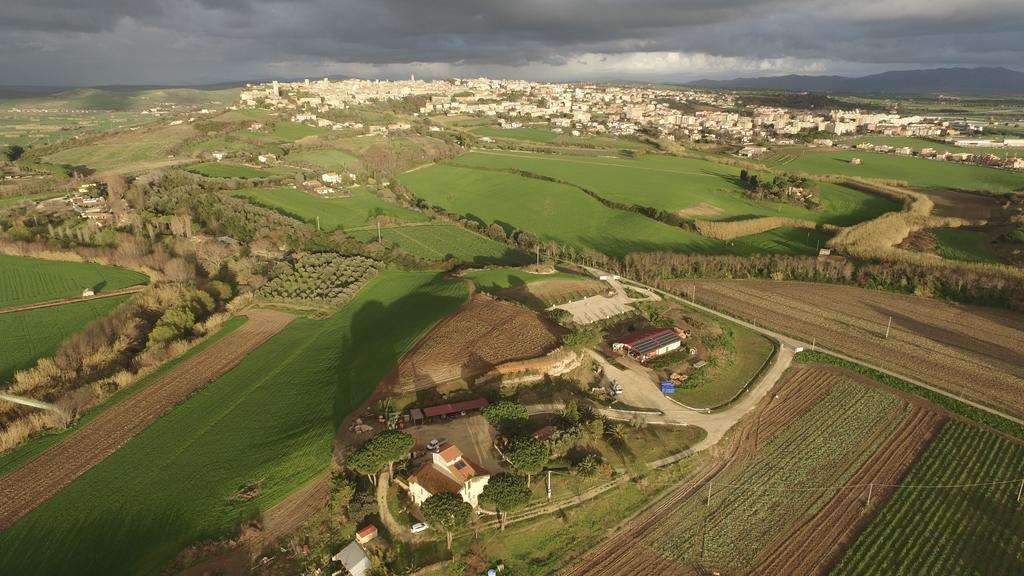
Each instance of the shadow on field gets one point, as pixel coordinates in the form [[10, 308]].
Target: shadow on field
[[378, 335]]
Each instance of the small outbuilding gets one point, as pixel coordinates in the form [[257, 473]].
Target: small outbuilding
[[354, 559]]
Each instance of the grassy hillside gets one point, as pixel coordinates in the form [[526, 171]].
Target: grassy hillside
[[919, 172], [335, 213], [554, 212], [127, 99], [28, 280], [33, 334], [269, 421], [447, 241], [692, 187], [126, 152]]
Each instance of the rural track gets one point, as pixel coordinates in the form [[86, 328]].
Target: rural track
[[796, 343], [39, 479], [63, 301]]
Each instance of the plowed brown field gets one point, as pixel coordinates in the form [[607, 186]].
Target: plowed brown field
[[810, 543], [971, 351], [481, 335], [39, 479]]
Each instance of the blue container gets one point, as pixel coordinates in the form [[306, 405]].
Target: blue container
[[668, 387]]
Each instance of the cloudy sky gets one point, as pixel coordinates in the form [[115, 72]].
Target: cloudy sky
[[96, 42]]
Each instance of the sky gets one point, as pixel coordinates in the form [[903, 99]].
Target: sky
[[104, 42]]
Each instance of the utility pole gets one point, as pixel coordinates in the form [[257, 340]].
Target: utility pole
[[317, 223], [379, 241], [549, 484], [1020, 491], [814, 343], [693, 293], [709, 493], [887, 326], [538, 254], [870, 486]]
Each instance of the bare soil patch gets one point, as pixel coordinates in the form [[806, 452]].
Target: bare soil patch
[[548, 292], [39, 479], [481, 335], [701, 210], [971, 351]]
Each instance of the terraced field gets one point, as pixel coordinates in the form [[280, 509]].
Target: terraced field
[[973, 523], [268, 423], [334, 213], [28, 280]]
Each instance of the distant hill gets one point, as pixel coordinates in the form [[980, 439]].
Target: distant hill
[[116, 98], [962, 80]]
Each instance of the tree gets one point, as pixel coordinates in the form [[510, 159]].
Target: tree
[[447, 511], [506, 492], [506, 416], [583, 337], [527, 456], [384, 448]]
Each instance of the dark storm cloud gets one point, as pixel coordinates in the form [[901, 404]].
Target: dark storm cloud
[[102, 41]]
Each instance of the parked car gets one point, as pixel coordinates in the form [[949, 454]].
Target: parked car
[[418, 527], [436, 443]]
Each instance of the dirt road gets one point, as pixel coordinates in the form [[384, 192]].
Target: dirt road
[[39, 479], [63, 301]]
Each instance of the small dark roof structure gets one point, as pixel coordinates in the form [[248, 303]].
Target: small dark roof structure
[[651, 341], [455, 407]]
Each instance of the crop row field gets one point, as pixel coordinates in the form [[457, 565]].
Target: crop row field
[[441, 242], [971, 351], [554, 212], [689, 187], [269, 424], [29, 280], [353, 211], [917, 172], [29, 335], [812, 435], [972, 523]]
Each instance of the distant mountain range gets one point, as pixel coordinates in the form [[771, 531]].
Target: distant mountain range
[[960, 80]]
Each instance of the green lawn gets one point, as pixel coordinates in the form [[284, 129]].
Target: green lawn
[[271, 421], [33, 334], [554, 212], [335, 213], [446, 241], [918, 172], [28, 280], [328, 158], [960, 244], [716, 385], [695, 188], [228, 170]]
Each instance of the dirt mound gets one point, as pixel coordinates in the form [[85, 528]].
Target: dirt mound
[[483, 334], [39, 479]]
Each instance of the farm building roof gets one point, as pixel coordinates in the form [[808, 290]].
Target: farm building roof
[[354, 559], [433, 480], [455, 408], [651, 341]]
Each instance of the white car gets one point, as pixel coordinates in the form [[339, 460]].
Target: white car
[[418, 527], [436, 443]]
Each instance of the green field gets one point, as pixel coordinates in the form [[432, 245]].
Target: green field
[[38, 443], [692, 187], [966, 245], [554, 212], [918, 143], [716, 385], [965, 530], [292, 131], [335, 213], [33, 334], [797, 241], [227, 170], [447, 241], [544, 135], [126, 152], [29, 280], [271, 421], [328, 158], [918, 172], [493, 280]]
